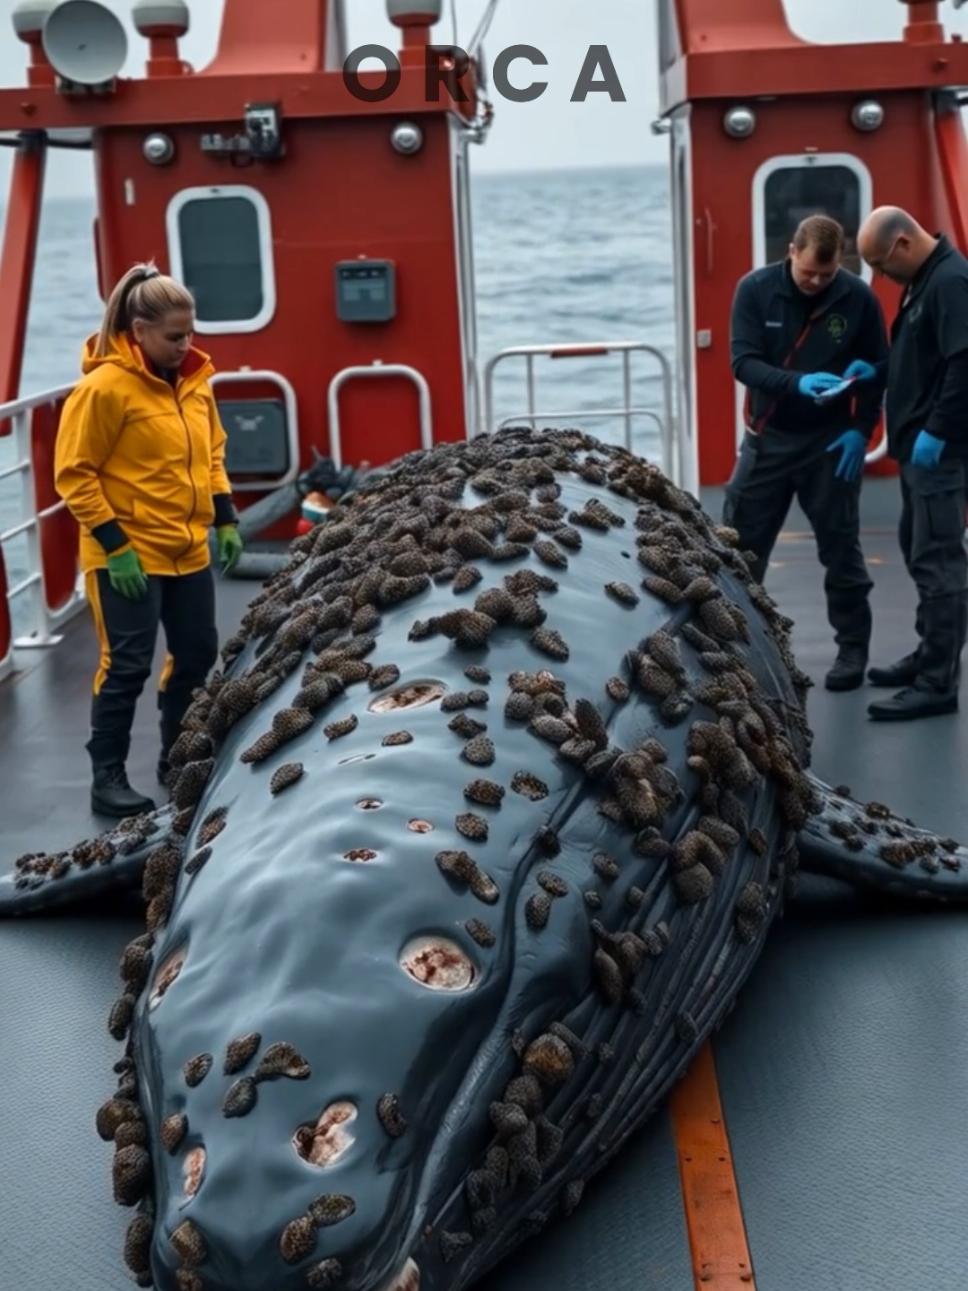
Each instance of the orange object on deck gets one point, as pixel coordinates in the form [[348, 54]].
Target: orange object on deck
[[714, 1218]]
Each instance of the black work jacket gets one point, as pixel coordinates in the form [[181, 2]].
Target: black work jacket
[[777, 334], [927, 385]]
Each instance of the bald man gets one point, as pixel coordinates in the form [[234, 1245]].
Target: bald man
[[926, 407]]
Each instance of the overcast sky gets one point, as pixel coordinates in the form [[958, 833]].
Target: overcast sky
[[551, 132]]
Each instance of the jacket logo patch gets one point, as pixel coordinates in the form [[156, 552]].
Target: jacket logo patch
[[836, 326]]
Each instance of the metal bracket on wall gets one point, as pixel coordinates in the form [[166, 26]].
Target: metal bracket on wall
[[261, 141]]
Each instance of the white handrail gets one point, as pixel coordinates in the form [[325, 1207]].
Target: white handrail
[[592, 349], [376, 369], [43, 622]]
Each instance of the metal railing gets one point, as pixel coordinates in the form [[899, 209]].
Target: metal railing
[[671, 464], [377, 369], [40, 621]]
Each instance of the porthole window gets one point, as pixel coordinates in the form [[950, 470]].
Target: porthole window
[[788, 189], [220, 246]]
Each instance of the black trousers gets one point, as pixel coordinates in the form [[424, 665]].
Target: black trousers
[[931, 535], [184, 605], [774, 468]]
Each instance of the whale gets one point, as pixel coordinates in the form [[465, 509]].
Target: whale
[[474, 837]]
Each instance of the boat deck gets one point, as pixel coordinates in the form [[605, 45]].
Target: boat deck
[[843, 1071]]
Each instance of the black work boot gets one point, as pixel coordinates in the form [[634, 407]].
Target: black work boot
[[902, 673], [111, 795], [913, 702], [848, 670]]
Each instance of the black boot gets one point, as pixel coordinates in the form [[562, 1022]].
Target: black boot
[[111, 795], [902, 673], [848, 670], [934, 690], [911, 703]]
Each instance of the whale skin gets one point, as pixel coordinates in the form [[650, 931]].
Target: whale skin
[[472, 843]]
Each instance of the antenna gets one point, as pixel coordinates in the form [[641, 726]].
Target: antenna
[[85, 44]]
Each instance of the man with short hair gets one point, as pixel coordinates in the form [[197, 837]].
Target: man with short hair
[[927, 425], [796, 328]]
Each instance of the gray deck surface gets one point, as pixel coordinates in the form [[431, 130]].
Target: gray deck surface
[[843, 1070]]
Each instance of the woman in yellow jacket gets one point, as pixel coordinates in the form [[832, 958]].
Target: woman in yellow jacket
[[140, 462]]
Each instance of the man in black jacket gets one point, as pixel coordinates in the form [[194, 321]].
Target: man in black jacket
[[796, 328], [927, 421]]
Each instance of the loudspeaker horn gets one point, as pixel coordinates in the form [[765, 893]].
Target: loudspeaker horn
[[85, 43]]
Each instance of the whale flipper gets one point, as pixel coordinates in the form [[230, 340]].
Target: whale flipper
[[869, 846], [112, 862]]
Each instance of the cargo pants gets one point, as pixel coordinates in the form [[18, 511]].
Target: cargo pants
[[775, 467], [184, 605], [931, 536]]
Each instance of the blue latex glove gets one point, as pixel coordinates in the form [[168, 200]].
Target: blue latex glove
[[927, 450], [815, 383], [853, 448], [861, 370]]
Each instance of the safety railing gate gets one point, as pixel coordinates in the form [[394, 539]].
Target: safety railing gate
[[626, 410], [46, 592], [376, 369]]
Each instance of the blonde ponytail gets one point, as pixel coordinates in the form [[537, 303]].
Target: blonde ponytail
[[143, 293]]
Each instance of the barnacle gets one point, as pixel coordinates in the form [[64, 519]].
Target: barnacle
[[465, 726], [285, 776], [298, 1240], [188, 1243], [196, 1069], [550, 642], [550, 1059], [173, 1130], [479, 751], [345, 726], [485, 792], [471, 826], [240, 1052], [390, 1116], [462, 867], [481, 932], [529, 786], [281, 1059]]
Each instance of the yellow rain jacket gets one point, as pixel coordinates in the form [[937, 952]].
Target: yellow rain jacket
[[142, 464]]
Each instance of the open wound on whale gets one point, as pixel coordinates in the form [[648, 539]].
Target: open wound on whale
[[167, 974], [324, 1143], [438, 964], [193, 1170], [415, 695], [408, 1279]]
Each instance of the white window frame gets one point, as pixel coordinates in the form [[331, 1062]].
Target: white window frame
[[227, 327], [807, 161]]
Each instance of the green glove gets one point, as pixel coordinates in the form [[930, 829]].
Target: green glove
[[229, 547], [127, 576]]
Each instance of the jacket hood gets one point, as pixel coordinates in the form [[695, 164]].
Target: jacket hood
[[125, 354]]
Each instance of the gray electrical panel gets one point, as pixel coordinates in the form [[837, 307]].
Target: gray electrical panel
[[366, 291], [257, 436]]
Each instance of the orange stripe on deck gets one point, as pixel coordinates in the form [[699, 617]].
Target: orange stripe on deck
[[714, 1218]]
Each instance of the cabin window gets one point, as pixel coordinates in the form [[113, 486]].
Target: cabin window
[[787, 189], [220, 246]]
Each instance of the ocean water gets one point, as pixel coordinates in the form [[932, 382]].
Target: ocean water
[[572, 256]]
